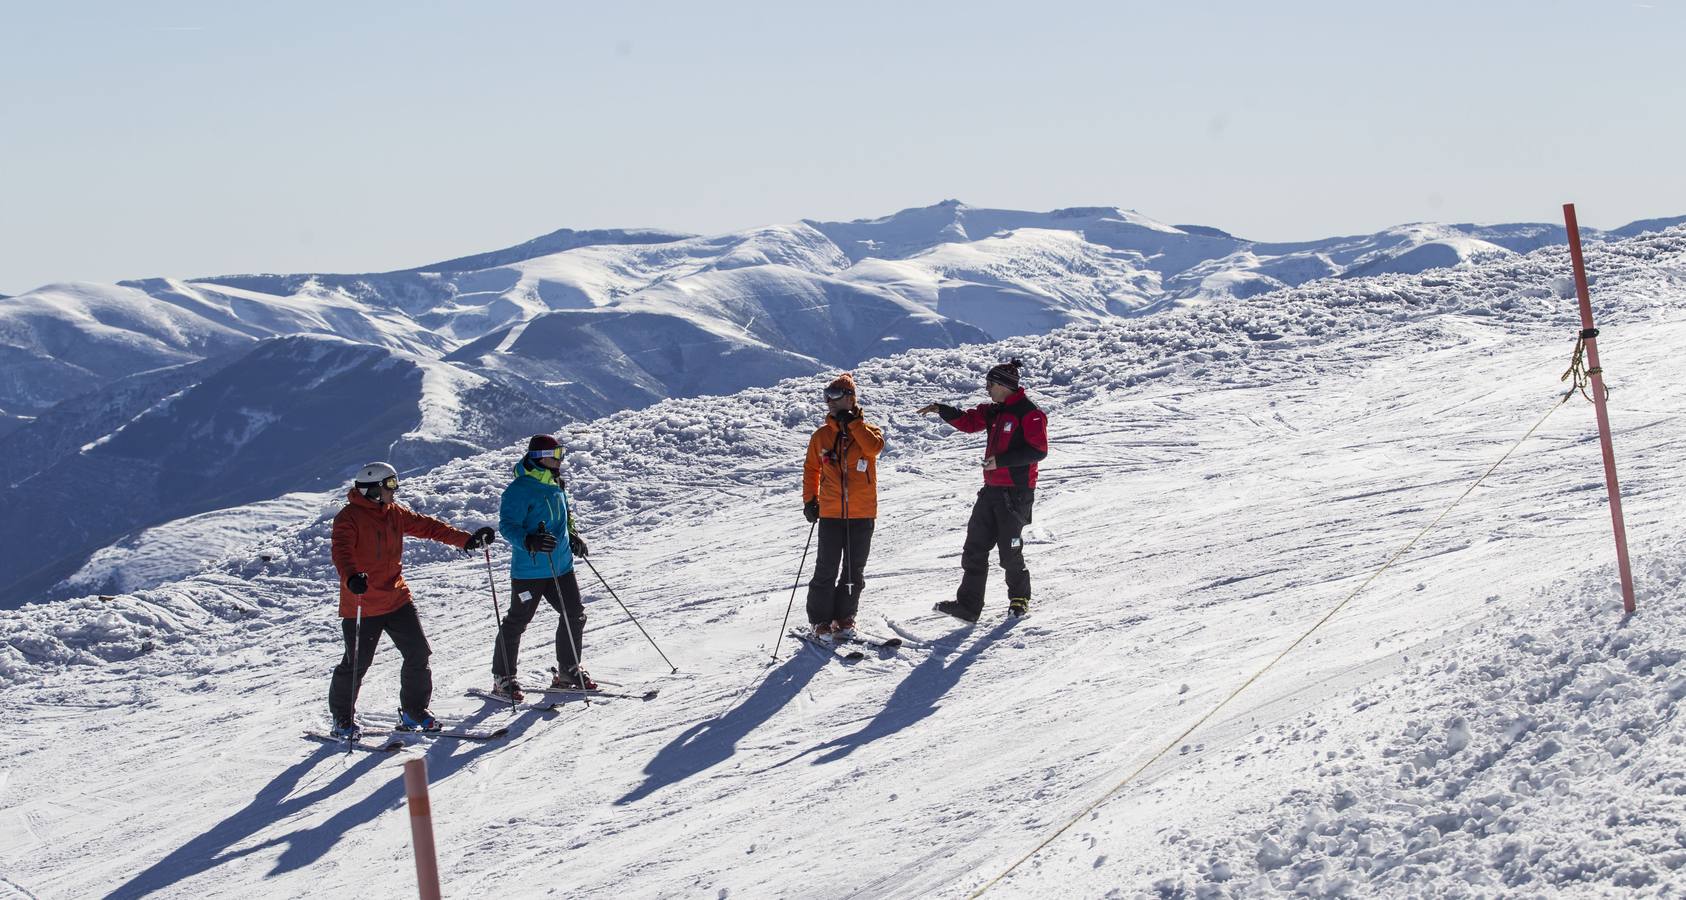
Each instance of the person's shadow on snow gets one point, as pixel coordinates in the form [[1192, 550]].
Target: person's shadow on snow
[[276, 802], [711, 742], [914, 699]]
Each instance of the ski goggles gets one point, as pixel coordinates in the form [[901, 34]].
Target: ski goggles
[[553, 453], [836, 393], [390, 482]]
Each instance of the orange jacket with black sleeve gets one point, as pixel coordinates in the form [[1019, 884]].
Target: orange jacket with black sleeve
[[843, 460], [369, 538]]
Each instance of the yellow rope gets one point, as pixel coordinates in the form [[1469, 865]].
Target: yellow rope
[[1279, 657], [1578, 371]]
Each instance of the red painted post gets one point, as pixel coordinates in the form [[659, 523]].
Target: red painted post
[[421, 827], [1591, 341]]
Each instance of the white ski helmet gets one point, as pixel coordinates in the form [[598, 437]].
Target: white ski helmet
[[372, 476]]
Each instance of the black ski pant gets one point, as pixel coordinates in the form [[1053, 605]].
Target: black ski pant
[[415, 685], [998, 518], [561, 592], [844, 545]]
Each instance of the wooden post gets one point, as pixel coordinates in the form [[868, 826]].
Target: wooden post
[[421, 827], [1589, 336]]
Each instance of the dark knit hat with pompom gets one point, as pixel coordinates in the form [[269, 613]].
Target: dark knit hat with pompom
[[1007, 374]]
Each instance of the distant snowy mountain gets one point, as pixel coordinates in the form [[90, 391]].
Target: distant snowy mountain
[[63, 340], [293, 412], [579, 324]]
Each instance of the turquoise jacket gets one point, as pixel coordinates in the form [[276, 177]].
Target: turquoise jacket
[[532, 498]]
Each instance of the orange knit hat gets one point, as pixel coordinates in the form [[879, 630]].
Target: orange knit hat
[[844, 382]]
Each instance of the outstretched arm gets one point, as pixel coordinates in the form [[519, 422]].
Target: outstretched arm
[[417, 525], [971, 420]]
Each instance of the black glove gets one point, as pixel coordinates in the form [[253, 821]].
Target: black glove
[[846, 416], [811, 510], [358, 583], [541, 542], [482, 538], [577, 544]]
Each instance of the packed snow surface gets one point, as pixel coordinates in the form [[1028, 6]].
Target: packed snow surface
[[1480, 721]]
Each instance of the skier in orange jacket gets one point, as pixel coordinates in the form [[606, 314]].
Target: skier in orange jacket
[[840, 492]]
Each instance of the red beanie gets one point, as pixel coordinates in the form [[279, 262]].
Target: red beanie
[[845, 381]]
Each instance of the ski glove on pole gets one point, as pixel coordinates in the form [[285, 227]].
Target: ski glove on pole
[[577, 544], [811, 510], [484, 537], [540, 542], [358, 583]]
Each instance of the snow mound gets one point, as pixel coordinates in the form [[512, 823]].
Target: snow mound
[[1486, 762]]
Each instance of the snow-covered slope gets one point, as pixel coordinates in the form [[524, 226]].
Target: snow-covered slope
[[1479, 720]]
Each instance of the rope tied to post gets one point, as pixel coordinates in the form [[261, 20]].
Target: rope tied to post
[[1578, 371]]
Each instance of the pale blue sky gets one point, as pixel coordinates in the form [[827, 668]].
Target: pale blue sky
[[198, 138]]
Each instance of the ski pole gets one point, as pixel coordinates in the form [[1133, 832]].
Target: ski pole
[[794, 585], [356, 682], [630, 615], [509, 671], [843, 485]]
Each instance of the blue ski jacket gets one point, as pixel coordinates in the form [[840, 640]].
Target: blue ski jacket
[[532, 498]]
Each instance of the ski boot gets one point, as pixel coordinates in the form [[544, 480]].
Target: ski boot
[[822, 633], [577, 679], [843, 629], [508, 689], [347, 730], [953, 608], [1019, 606], [421, 721]]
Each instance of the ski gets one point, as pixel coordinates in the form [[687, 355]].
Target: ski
[[381, 743], [577, 692], [843, 653], [503, 702], [460, 734], [451, 730], [530, 703], [625, 693], [874, 641]]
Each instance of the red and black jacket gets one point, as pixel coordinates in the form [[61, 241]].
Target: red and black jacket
[[1018, 437]]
